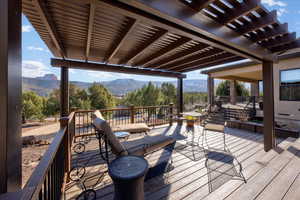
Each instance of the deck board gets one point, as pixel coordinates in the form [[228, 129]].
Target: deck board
[[189, 178]]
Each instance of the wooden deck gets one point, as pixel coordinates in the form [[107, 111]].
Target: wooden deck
[[214, 176]]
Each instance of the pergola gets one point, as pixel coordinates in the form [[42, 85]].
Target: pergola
[[150, 37]]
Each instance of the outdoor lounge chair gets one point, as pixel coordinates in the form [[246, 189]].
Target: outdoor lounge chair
[[131, 128], [140, 147]]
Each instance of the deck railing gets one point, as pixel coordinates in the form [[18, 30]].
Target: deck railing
[[151, 115], [48, 179]]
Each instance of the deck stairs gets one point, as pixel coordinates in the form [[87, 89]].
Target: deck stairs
[[274, 175]]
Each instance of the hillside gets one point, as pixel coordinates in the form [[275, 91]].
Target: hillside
[[44, 85]]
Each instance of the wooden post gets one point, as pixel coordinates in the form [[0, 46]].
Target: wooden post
[[268, 89], [10, 96], [171, 113], [210, 90], [233, 92], [254, 88], [64, 121], [64, 92], [132, 114], [179, 96]]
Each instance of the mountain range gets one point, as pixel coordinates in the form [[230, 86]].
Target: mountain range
[[119, 87]]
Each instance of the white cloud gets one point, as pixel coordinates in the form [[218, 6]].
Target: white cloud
[[26, 28], [33, 48], [281, 11], [31, 68], [274, 3]]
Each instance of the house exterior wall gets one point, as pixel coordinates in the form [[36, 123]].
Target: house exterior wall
[[283, 108]]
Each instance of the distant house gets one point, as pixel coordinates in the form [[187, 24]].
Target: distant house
[[286, 75]]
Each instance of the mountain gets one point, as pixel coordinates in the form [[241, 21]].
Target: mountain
[[44, 85]]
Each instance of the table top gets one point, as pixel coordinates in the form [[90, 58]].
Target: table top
[[128, 167], [122, 134], [192, 114]]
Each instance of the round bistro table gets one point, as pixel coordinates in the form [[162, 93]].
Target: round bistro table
[[128, 173]]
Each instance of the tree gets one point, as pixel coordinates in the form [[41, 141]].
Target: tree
[[100, 97], [224, 89], [169, 93], [32, 106]]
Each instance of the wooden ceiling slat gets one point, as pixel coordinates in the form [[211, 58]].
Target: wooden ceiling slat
[[180, 55], [269, 33], [285, 47], [213, 63], [122, 38], [278, 41], [162, 52], [42, 10], [142, 49], [198, 5], [192, 59], [260, 23], [242, 9], [90, 28], [202, 60]]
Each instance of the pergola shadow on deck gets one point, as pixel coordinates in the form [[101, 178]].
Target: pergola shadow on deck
[[194, 175], [159, 37]]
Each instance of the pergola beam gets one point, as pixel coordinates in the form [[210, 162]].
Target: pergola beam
[[122, 39], [173, 47], [41, 8], [213, 63], [278, 30], [241, 9], [286, 47], [113, 68], [288, 38], [194, 59], [260, 23], [146, 45], [198, 5], [90, 27], [181, 55]]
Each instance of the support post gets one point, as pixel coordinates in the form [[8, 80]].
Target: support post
[[10, 95], [233, 92], [171, 113], [210, 90], [179, 96], [132, 114], [254, 88], [64, 122], [64, 92], [268, 90]]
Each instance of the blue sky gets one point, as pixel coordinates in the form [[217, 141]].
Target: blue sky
[[36, 56]]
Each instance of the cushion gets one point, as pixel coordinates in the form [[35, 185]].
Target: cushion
[[116, 147], [214, 127], [132, 128], [147, 144], [97, 114]]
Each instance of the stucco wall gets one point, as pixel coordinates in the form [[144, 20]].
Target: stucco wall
[[292, 108]]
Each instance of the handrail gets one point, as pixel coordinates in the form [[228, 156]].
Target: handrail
[[38, 184]]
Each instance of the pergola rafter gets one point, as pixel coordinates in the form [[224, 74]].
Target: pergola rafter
[[90, 27], [288, 38]]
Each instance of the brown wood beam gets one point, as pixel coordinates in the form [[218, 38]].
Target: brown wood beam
[[191, 59], [210, 90], [269, 33], [132, 23], [90, 28], [286, 47], [181, 55], [10, 96], [64, 92], [248, 80], [268, 95], [146, 45], [48, 22], [240, 10], [213, 63], [179, 96], [198, 5], [262, 22], [279, 41], [113, 68], [173, 47], [204, 60]]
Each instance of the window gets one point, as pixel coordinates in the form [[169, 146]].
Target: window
[[290, 85]]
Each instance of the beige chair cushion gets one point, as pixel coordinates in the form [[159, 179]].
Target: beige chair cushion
[[214, 127], [97, 114], [147, 144], [132, 128], [116, 147]]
